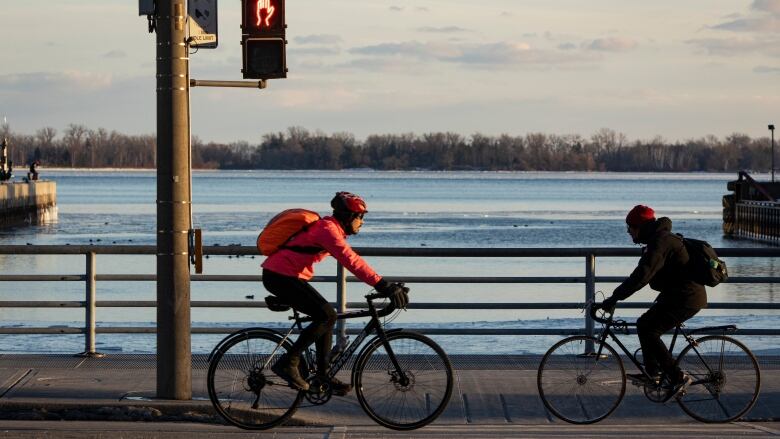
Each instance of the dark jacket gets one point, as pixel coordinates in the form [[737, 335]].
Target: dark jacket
[[663, 266]]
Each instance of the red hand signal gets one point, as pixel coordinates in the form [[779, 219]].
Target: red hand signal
[[264, 13]]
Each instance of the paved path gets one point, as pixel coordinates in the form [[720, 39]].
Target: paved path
[[169, 430], [487, 401]]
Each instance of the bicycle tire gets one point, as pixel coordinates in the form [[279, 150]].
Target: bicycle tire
[[577, 387], [397, 405], [726, 377], [242, 363]]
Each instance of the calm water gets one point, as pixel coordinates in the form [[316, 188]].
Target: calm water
[[407, 209]]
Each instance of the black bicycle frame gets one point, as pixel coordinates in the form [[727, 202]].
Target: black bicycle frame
[[372, 326], [607, 331]]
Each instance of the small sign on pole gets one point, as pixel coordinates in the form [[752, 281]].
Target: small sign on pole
[[202, 23]]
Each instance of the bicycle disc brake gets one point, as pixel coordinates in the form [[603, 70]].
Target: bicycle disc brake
[[319, 392], [405, 383]]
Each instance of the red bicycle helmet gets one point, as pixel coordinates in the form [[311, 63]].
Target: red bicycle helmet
[[348, 202], [639, 215]]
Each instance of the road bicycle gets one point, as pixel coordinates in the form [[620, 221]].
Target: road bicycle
[[582, 380], [403, 380]]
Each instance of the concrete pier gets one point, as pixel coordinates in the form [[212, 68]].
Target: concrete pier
[[31, 202]]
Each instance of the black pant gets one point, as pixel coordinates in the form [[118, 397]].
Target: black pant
[[659, 319], [304, 298]]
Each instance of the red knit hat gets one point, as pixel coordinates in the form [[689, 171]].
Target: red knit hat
[[639, 215]]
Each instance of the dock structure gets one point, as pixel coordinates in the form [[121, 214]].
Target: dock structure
[[30, 202], [752, 210]]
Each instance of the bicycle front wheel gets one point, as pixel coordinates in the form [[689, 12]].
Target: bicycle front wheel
[[242, 387], [579, 385], [726, 379], [411, 397]]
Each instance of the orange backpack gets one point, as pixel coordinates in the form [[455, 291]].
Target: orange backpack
[[283, 227]]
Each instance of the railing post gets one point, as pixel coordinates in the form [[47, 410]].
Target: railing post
[[590, 298], [341, 305], [89, 310]]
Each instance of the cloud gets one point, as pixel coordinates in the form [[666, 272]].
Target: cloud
[[764, 16], [70, 81], [318, 50], [116, 53], [409, 48], [318, 39], [612, 44], [491, 54], [396, 8], [771, 6], [737, 46], [756, 24], [442, 30], [767, 69]]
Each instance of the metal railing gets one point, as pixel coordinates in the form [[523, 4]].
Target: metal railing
[[758, 220], [589, 280]]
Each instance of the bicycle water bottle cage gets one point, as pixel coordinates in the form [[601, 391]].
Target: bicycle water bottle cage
[[276, 304]]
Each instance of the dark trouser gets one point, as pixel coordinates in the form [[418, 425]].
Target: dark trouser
[[304, 298], [659, 319]]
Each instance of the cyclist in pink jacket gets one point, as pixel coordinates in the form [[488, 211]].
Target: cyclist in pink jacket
[[287, 271]]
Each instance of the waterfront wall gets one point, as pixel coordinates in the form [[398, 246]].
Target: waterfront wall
[[30, 203]]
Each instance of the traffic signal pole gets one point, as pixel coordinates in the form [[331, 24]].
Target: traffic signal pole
[[174, 357]]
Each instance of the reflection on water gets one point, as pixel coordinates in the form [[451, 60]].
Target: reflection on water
[[407, 209]]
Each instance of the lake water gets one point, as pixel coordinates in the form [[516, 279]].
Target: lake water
[[407, 209]]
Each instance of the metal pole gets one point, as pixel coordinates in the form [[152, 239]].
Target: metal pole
[[772, 130], [89, 309], [590, 297], [174, 359], [341, 304], [243, 84]]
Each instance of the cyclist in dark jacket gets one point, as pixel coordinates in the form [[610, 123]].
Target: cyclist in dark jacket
[[664, 266]]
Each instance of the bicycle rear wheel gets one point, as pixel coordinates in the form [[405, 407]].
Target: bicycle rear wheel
[[242, 387], [409, 401], [581, 387], [726, 379]]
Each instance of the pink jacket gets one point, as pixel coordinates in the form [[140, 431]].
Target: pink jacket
[[328, 234]]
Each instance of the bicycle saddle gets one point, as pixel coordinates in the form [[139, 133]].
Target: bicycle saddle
[[276, 304]]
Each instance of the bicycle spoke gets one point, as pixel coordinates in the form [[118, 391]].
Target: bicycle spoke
[[579, 387], [727, 379], [412, 396], [243, 392]]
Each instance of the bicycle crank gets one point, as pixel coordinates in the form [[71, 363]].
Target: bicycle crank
[[319, 391]]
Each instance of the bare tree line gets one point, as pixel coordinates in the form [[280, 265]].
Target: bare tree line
[[298, 148]]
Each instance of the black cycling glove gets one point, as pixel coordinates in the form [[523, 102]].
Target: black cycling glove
[[609, 303], [396, 292]]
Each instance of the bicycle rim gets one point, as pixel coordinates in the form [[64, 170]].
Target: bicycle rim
[[242, 387], [578, 387], [396, 404], [726, 379]]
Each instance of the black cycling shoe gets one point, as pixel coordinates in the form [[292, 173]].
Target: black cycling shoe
[[643, 380], [339, 388], [287, 369], [679, 386]]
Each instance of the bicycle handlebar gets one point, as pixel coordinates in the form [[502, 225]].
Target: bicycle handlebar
[[595, 307], [387, 310], [374, 296]]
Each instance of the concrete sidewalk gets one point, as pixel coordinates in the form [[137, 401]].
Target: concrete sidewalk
[[122, 388]]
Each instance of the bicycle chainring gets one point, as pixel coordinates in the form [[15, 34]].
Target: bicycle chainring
[[658, 393], [319, 392]]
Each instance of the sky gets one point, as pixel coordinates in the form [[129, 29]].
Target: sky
[[674, 69]]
